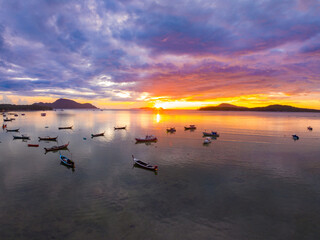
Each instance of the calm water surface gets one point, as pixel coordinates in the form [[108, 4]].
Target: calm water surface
[[253, 182]]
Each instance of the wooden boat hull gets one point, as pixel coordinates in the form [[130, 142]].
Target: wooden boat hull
[[48, 139], [33, 145], [21, 137], [119, 128], [12, 130], [97, 135], [61, 128], [146, 140], [66, 161], [210, 134], [144, 165], [190, 128], [56, 148]]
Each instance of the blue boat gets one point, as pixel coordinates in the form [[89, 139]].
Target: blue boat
[[66, 161], [295, 137], [211, 134]]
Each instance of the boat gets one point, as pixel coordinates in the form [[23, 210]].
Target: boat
[[43, 114], [13, 130], [60, 128], [295, 137], [22, 114], [310, 128], [8, 119], [148, 138], [66, 161], [16, 115], [171, 129], [48, 138], [211, 134], [33, 145], [191, 127], [4, 126], [97, 135], [21, 137], [144, 165], [55, 148], [207, 140], [119, 128]]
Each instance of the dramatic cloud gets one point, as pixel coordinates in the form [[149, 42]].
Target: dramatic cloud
[[128, 50]]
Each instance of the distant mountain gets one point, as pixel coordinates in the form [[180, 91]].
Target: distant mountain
[[66, 104], [270, 108], [12, 107]]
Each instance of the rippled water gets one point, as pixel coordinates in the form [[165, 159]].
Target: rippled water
[[253, 182]]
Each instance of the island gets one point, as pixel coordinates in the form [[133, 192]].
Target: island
[[270, 108], [63, 103]]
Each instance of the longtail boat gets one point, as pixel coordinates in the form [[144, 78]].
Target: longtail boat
[[8, 119], [48, 138], [148, 138], [13, 130], [119, 128], [191, 127], [33, 145], [97, 135], [60, 128], [21, 137], [171, 129], [144, 165], [66, 161], [55, 148], [210, 134]]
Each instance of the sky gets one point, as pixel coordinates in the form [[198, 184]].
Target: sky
[[170, 54]]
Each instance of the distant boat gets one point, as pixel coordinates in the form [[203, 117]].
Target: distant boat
[[21, 137], [171, 129], [66, 161], [55, 148], [4, 126], [33, 145], [8, 119], [211, 134], [310, 128], [48, 138], [22, 114], [43, 114], [60, 128], [97, 135], [295, 137], [119, 128], [191, 127], [148, 138], [207, 141], [13, 130], [144, 165], [16, 115]]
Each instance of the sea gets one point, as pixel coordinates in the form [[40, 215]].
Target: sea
[[254, 181]]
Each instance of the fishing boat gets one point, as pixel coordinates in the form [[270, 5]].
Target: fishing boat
[[33, 145], [207, 140], [48, 138], [119, 128], [191, 127], [8, 119], [16, 115], [66, 161], [55, 148], [171, 129], [23, 114], [97, 135], [21, 137], [148, 138], [13, 130], [310, 128], [43, 114], [295, 137], [60, 128], [210, 134], [144, 165]]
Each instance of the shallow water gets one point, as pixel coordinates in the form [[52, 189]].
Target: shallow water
[[252, 182]]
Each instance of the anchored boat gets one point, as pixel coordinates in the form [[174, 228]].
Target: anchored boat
[[144, 165], [66, 161], [55, 148], [148, 138]]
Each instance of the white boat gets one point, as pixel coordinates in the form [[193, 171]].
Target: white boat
[[207, 141], [144, 165], [148, 138]]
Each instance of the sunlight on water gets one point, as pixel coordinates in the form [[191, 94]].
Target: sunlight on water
[[252, 182]]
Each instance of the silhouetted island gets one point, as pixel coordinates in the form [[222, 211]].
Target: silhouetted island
[[13, 107], [270, 108], [63, 103]]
